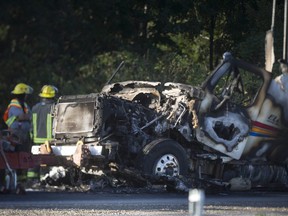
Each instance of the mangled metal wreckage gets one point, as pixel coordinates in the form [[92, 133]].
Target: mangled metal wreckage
[[221, 131]]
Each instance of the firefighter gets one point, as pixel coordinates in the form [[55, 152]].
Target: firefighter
[[18, 115], [42, 122], [41, 112], [18, 120]]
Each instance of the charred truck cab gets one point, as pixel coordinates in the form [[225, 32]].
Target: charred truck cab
[[232, 126]]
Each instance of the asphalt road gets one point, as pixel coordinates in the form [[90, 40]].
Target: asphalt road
[[77, 203]]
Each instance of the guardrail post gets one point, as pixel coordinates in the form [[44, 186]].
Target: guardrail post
[[196, 202]]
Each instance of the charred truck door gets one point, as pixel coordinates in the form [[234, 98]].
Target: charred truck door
[[230, 109]]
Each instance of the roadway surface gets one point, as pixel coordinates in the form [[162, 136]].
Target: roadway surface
[[146, 204]]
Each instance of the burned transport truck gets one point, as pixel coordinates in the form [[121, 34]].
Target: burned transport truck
[[231, 128]]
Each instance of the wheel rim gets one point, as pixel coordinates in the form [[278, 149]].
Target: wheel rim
[[167, 165]]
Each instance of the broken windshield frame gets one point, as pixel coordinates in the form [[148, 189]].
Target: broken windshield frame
[[237, 82]]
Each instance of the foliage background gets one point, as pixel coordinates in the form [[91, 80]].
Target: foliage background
[[76, 45]]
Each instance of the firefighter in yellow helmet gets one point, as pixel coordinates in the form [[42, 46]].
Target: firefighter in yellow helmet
[[42, 123], [18, 120], [18, 115], [41, 112]]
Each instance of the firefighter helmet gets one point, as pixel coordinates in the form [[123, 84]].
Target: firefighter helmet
[[48, 91], [22, 88]]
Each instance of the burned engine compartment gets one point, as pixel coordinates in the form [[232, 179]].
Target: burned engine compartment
[[129, 123]]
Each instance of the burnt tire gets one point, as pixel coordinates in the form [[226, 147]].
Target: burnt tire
[[164, 157]]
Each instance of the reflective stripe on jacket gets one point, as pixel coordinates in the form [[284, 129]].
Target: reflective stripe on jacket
[[42, 121], [42, 137], [14, 103]]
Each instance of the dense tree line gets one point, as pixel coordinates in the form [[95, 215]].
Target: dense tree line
[[76, 45]]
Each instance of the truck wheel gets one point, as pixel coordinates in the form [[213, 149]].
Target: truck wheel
[[164, 157]]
